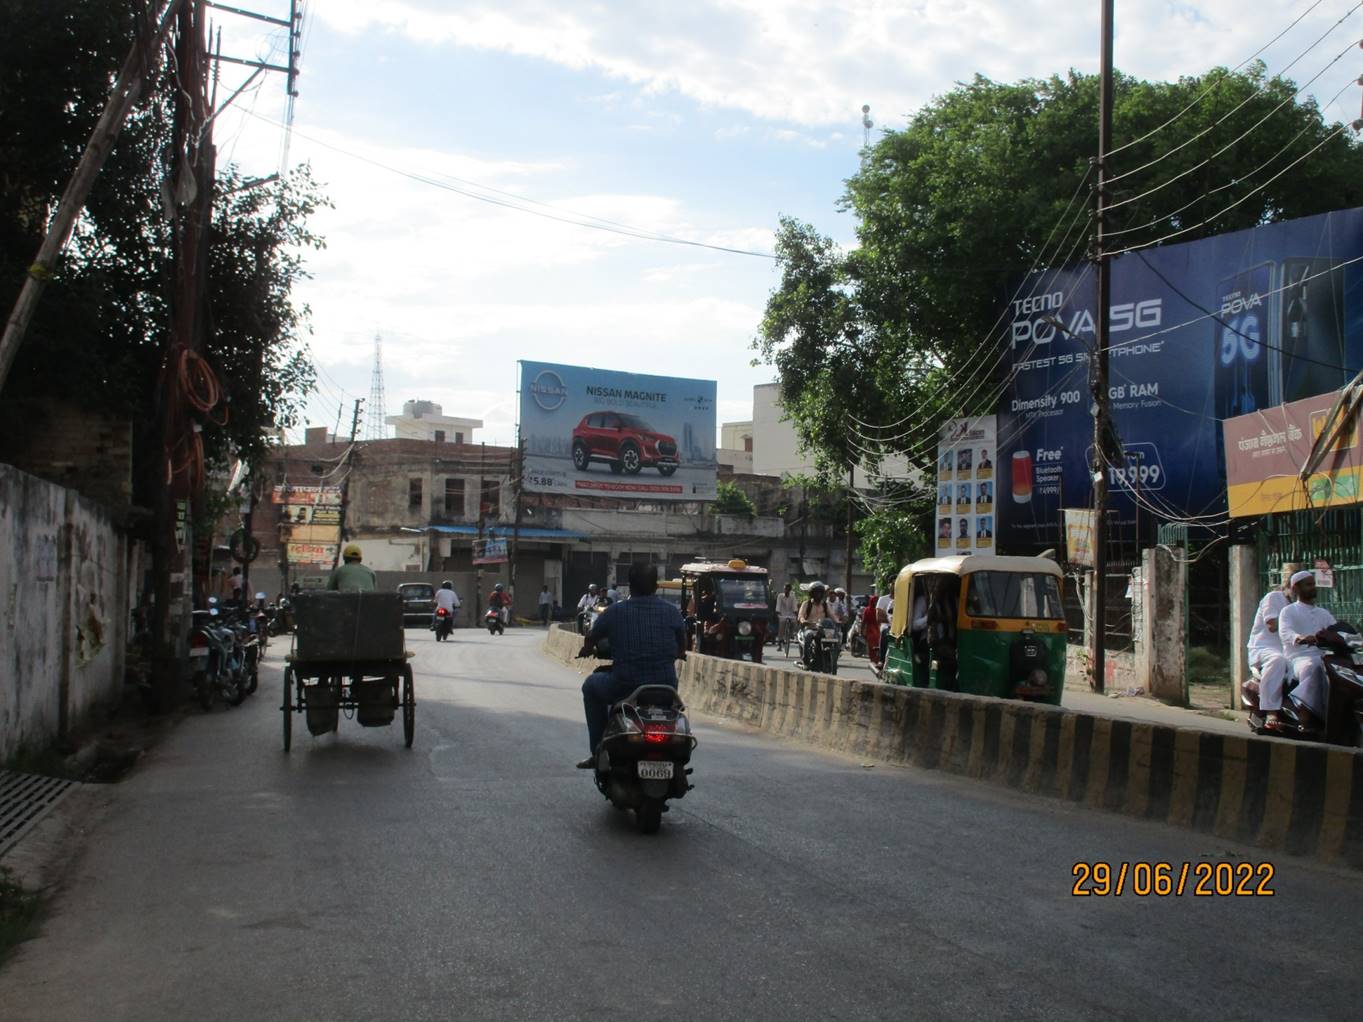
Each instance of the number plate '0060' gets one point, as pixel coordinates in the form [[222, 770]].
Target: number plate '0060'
[[653, 770]]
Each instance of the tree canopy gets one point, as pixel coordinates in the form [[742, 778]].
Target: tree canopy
[[98, 338]]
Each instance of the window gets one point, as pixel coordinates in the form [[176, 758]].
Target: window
[[459, 438], [747, 444], [492, 498], [440, 436], [414, 500], [1013, 594], [454, 498]]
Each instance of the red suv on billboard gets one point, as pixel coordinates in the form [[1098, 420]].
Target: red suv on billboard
[[625, 442]]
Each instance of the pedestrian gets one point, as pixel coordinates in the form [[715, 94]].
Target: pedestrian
[[546, 605]]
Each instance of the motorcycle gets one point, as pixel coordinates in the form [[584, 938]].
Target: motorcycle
[[281, 618], [825, 644], [444, 624], [643, 757], [493, 621], [856, 638], [1343, 647], [216, 667]]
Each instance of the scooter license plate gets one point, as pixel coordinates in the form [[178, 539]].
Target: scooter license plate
[[198, 652], [653, 770]]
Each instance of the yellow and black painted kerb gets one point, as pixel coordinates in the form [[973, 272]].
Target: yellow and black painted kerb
[[1299, 798]]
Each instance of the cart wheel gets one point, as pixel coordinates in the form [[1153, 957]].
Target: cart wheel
[[288, 708], [408, 707]]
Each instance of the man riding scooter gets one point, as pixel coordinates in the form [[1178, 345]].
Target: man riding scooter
[[446, 599], [647, 636]]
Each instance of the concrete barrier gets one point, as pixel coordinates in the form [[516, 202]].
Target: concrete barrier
[[1304, 799]]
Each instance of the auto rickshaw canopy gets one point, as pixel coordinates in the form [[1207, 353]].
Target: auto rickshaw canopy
[[961, 565]]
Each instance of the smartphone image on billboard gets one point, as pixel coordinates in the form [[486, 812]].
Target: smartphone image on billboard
[[1244, 340], [1313, 359]]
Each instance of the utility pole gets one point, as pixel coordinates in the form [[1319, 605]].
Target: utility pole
[[345, 483], [1101, 400], [482, 519], [516, 521], [142, 60], [851, 524]]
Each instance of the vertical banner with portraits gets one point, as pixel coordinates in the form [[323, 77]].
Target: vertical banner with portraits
[[966, 454]]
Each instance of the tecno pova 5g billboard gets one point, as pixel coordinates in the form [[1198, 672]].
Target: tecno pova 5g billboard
[[1200, 333], [615, 434]]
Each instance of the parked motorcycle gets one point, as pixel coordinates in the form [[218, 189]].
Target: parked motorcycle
[[444, 624], [1343, 647], [820, 647], [493, 621], [217, 666], [643, 758]]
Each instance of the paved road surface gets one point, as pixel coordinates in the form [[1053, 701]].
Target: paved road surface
[[478, 876]]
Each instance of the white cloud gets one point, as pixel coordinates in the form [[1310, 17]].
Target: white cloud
[[813, 62]]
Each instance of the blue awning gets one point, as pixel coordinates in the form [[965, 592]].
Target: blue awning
[[505, 532]]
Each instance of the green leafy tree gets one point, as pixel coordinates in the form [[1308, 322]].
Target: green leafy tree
[[730, 500], [98, 338], [891, 539]]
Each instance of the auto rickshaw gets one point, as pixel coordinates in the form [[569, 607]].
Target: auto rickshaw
[[980, 624], [729, 608]]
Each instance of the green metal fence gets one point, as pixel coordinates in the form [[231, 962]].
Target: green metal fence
[[1302, 537]]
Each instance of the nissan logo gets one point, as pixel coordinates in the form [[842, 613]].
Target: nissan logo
[[548, 390]]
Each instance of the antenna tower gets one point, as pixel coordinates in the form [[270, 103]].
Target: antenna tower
[[376, 428]]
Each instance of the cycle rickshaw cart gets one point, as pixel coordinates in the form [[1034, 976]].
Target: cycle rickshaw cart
[[348, 658]]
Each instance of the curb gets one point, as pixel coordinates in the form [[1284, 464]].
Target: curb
[[1302, 799]]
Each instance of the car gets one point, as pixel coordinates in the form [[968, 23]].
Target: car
[[418, 602], [625, 442]]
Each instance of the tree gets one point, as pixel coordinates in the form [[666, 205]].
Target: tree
[[954, 208], [730, 500], [98, 339]]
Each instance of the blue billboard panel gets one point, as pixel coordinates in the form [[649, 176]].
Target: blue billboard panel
[[1199, 333], [613, 434]]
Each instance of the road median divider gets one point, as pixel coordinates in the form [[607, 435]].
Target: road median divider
[[1295, 797]]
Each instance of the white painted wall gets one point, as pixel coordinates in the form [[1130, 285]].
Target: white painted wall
[[65, 602]]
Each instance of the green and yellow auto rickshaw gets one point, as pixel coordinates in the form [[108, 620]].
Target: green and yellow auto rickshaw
[[728, 608], [984, 625]]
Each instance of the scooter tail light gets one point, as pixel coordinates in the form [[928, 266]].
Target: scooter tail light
[[198, 640]]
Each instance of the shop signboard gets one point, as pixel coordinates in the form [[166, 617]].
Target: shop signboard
[[614, 434]]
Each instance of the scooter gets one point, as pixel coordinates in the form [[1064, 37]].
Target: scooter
[[1343, 646], [643, 757], [444, 624], [493, 621]]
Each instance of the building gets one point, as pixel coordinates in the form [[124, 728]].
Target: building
[[424, 420], [735, 447]]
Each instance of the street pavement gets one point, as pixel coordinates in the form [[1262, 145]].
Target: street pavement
[[479, 876]]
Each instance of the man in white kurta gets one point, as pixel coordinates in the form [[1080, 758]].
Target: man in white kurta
[[1300, 625], [1266, 654]]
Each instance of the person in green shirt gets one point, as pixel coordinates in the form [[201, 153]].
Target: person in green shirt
[[352, 576]]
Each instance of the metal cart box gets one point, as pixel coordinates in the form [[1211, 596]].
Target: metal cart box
[[348, 626]]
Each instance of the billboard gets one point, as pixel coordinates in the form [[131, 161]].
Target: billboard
[[965, 486], [489, 551], [1199, 332], [312, 553], [1266, 452], [329, 496], [605, 433]]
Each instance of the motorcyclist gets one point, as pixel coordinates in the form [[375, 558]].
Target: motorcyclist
[[353, 576], [812, 613], [1300, 624], [445, 599], [500, 601], [647, 636]]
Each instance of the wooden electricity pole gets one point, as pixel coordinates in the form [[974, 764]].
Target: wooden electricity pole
[[345, 482]]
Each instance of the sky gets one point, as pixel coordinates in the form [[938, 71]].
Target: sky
[[703, 120]]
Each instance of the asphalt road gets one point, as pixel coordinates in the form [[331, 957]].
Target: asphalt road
[[479, 876]]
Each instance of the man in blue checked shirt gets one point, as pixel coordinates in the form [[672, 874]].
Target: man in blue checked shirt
[[647, 637]]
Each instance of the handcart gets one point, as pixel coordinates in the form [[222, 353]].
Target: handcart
[[348, 658]]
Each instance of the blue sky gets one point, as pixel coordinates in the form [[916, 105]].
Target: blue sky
[[704, 120]]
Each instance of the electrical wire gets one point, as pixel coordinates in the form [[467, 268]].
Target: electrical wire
[[1244, 102], [1211, 88], [1231, 183]]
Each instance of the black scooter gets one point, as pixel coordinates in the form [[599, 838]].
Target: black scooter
[[643, 757], [1343, 647]]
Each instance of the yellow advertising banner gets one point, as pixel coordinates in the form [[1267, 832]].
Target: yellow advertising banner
[[1266, 452], [314, 534]]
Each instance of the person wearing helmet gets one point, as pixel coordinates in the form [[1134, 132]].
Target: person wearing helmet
[[837, 607], [501, 602], [352, 576], [812, 613], [447, 598], [584, 608]]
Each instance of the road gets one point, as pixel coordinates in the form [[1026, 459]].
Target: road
[[478, 876]]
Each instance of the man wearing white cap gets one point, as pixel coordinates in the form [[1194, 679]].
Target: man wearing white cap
[[1266, 654], [1300, 625]]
